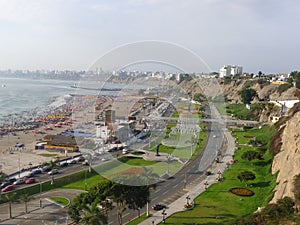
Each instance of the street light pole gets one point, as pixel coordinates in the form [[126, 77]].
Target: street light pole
[[41, 203], [163, 215]]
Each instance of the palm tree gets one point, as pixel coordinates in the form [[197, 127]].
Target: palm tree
[[92, 215], [52, 165], [25, 198], [150, 180], [10, 198]]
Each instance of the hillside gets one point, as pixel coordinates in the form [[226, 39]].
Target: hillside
[[287, 159], [230, 89]]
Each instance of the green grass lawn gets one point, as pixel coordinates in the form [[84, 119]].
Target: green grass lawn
[[84, 184], [138, 220], [221, 108], [133, 161], [241, 112], [60, 200], [217, 205]]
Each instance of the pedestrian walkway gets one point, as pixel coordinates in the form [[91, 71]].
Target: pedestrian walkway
[[196, 190], [50, 213]]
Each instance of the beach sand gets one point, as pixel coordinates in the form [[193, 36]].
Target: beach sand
[[10, 155]]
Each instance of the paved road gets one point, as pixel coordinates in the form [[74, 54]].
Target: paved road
[[50, 214], [166, 192], [197, 185]]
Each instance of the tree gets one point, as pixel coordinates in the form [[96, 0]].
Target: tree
[[150, 179], [259, 73], [2, 176], [133, 197], [10, 198], [296, 76], [92, 215], [286, 206], [95, 194], [25, 198], [297, 189], [52, 165], [248, 95], [246, 176]]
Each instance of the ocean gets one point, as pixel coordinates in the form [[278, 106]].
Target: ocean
[[21, 96]]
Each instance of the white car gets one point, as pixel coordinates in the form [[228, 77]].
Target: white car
[[54, 171]]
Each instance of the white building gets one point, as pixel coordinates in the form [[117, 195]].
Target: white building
[[229, 70]]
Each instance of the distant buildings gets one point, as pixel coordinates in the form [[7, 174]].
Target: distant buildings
[[229, 70]]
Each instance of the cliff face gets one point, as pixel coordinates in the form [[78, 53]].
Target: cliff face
[[231, 89], [287, 161]]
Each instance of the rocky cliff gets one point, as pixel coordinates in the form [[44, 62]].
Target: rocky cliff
[[287, 161], [230, 89]]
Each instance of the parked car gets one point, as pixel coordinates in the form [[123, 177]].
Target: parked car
[[36, 171], [11, 180], [79, 159], [46, 169], [125, 151], [159, 207], [19, 181], [113, 149], [31, 174], [54, 171], [5, 184], [63, 164], [30, 181], [85, 163], [8, 188], [71, 161]]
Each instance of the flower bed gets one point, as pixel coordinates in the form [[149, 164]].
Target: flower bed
[[241, 191], [189, 206], [249, 136]]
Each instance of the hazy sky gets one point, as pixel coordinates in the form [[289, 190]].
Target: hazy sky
[[72, 34]]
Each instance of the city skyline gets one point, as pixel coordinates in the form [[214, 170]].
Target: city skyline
[[259, 35]]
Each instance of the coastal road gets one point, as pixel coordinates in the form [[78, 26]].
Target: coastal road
[[169, 190], [192, 173]]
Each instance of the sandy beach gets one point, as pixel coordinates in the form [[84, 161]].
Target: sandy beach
[[12, 158]]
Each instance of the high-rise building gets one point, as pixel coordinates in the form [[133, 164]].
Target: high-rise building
[[229, 70]]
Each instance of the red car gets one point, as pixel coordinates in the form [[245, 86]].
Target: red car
[[30, 181], [8, 188]]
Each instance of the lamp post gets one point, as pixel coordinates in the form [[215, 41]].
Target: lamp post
[[219, 175], [163, 215], [185, 180], [41, 203], [19, 167], [188, 199], [205, 185]]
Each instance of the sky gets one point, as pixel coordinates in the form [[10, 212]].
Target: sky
[[73, 34]]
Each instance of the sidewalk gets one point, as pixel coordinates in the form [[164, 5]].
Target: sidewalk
[[51, 213], [196, 190]]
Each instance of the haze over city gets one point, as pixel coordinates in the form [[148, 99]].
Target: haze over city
[[260, 35]]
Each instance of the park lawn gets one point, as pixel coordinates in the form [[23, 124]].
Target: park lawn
[[221, 108], [60, 200], [138, 220], [84, 184], [241, 112], [218, 206], [135, 161], [263, 135]]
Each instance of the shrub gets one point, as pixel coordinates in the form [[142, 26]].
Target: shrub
[[283, 87], [251, 155]]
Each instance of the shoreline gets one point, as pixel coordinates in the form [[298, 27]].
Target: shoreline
[[13, 158]]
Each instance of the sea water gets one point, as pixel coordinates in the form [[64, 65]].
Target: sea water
[[21, 96]]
